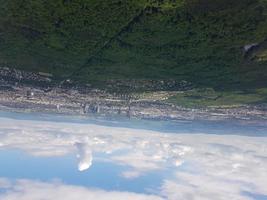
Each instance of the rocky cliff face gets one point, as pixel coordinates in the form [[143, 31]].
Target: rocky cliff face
[[199, 41]]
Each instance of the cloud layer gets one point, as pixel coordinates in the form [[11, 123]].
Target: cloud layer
[[35, 190], [203, 166]]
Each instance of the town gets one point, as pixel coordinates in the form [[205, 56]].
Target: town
[[38, 92]]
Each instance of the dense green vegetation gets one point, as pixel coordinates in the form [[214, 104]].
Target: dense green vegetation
[[201, 41]]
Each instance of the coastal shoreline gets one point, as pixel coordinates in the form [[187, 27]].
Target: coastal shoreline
[[18, 93]]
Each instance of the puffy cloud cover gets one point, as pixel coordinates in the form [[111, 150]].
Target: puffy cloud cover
[[35, 190], [204, 166]]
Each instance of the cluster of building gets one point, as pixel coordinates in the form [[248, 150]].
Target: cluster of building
[[17, 92]]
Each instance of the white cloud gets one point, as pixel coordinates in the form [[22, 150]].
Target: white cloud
[[84, 155], [35, 190], [204, 166], [131, 174], [4, 183]]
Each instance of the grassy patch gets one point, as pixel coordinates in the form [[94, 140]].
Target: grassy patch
[[208, 97]]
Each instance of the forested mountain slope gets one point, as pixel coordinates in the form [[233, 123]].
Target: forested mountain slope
[[211, 43]]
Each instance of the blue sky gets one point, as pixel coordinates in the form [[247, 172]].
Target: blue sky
[[43, 156]]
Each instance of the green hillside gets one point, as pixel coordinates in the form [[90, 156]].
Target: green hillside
[[200, 41]]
